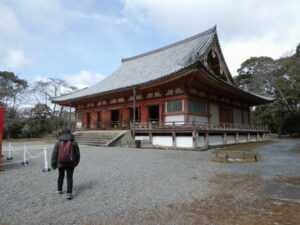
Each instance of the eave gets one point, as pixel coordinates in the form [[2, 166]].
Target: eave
[[213, 81]]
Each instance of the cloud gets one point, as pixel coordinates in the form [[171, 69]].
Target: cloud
[[41, 78], [15, 59], [9, 24], [46, 15], [83, 78], [238, 18], [91, 34], [238, 51], [80, 80], [99, 17], [245, 28]]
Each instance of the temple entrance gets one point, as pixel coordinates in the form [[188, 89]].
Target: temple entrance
[[115, 118], [88, 120], [154, 114]]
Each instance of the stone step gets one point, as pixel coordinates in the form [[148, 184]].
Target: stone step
[[91, 139], [87, 137], [93, 144], [83, 137], [97, 134], [100, 142], [95, 138], [106, 137]]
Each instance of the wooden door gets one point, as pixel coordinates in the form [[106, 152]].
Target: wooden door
[[226, 115], [154, 113], [98, 119], [88, 118]]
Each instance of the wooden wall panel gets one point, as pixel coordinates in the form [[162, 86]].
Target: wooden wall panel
[[225, 115]]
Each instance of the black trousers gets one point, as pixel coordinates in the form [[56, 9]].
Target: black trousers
[[61, 176]]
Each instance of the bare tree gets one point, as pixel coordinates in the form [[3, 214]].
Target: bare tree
[[43, 91]]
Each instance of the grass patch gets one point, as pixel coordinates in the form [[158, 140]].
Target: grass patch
[[289, 180], [239, 153], [194, 178], [296, 149], [50, 140], [240, 199], [244, 146], [238, 158], [228, 183], [235, 200]]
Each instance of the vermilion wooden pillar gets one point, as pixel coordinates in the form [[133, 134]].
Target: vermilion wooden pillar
[[161, 112], [125, 117], [84, 120], [186, 110], [1, 129], [94, 118]]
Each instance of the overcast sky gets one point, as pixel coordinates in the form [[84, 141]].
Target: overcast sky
[[84, 41]]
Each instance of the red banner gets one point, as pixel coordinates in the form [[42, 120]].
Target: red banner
[[1, 129]]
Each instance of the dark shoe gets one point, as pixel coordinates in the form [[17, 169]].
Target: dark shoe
[[69, 196], [59, 192]]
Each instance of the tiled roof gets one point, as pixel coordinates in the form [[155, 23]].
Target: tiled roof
[[150, 66]]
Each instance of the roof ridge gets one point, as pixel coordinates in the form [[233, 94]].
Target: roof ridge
[[213, 29]]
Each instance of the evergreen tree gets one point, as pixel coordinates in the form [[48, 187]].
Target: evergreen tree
[[277, 78]]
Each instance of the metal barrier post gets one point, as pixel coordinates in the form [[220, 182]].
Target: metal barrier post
[[9, 152], [25, 162], [46, 168]]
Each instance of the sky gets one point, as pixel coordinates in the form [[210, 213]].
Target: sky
[[84, 41]]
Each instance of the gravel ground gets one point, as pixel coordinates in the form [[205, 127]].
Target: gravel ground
[[278, 160], [112, 185], [108, 181]]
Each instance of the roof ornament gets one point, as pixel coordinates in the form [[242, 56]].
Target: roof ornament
[[213, 54], [205, 63]]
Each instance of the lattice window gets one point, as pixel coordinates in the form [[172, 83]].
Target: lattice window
[[174, 106], [199, 107]]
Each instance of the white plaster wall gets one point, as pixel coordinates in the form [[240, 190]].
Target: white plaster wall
[[259, 137], [142, 138], [175, 118], [178, 91], [215, 140], [170, 92], [162, 140], [237, 116], [198, 118], [230, 139], [200, 141], [184, 142], [253, 137], [214, 110], [243, 138], [246, 117]]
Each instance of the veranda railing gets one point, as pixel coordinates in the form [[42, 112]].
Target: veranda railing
[[196, 125]]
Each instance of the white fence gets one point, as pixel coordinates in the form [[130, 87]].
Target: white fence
[[24, 156]]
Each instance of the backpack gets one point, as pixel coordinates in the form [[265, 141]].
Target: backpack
[[65, 153]]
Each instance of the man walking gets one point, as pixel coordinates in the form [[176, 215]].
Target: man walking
[[65, 157]]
